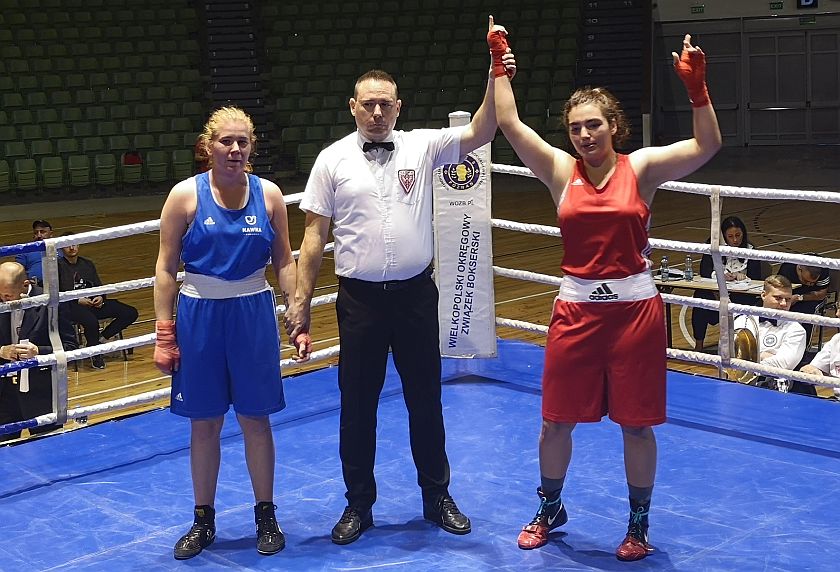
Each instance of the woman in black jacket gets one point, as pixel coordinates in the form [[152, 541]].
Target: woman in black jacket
[[734, 233]]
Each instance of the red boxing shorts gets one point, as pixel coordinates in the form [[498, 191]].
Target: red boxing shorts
[[606, 358]]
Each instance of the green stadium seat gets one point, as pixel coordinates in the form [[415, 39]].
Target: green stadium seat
[[82, 129], [52, 172], [306, 155], [107, 128], [157, 125], [78, 170], [109, 97], [105, 169], [22, 117], [57, 130], [182, 164], [144, 142], [156, 93], [118, 144], [46, 115], [5, 183], [144, 111], [93, 145], [26, 175], [67, 146], [157, 166], [131, 174], [168, 109], [40, 148], [169, 142], [120, 112], [15, 150], [96, 113], [180, 125], [12, 101]]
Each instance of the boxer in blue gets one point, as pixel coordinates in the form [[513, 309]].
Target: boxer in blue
[[223, 347]]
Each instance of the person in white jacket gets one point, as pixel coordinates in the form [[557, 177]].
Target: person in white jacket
[[827, 361], [781, 343]]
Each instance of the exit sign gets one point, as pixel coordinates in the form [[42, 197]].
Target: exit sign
[[699, 9], [777, 5]]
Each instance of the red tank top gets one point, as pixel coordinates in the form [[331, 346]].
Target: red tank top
[[605, 231]]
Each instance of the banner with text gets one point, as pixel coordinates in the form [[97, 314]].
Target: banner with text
[[464, 257]]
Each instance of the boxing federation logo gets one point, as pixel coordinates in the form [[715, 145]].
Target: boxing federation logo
[[770, 341], [462, 176], [407, 178]]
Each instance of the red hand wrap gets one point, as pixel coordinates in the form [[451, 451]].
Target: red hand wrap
[[497, 40], [691, 67], [303, 343], [167, 354]]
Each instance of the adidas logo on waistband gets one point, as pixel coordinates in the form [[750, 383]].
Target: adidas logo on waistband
[[603, 292]]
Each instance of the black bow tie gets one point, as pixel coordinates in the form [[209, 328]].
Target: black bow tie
[[369, 145], [770, 321]]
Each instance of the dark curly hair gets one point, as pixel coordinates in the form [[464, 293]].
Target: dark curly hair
[[609, 106]]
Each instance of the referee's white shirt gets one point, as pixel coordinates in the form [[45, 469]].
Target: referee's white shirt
[[381, 201]]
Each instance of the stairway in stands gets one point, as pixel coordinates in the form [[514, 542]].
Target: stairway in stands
[[614, 53], [234, 70]]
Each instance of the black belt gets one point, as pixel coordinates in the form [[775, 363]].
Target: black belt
[[390, 284]]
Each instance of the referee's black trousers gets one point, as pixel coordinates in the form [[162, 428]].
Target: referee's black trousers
[[373, 317]]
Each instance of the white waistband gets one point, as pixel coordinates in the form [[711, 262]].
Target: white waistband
[[201, 286], [637, 287]]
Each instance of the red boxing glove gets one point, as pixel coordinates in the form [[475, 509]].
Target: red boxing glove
[[691, 67], [167, 354], [497, 40]]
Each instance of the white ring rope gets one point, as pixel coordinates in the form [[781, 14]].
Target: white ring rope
[[752, 192], [684, 300], [512, 170], [693, 247]]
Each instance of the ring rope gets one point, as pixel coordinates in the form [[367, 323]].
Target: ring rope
[[692, 247]]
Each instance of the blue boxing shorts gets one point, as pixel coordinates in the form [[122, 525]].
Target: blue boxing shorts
[[230, 353]]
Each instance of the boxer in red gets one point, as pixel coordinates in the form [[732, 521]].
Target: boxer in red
[[605, 352]]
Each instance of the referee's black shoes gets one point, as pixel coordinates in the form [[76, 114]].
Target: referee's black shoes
[[351, 525], [444, 512]]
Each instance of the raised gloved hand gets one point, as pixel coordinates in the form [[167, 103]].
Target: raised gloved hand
[[167, 354], [691, 68], [497, 41]]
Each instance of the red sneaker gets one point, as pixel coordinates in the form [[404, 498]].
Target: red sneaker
[[633, 549], [635, 545], [550, 515]]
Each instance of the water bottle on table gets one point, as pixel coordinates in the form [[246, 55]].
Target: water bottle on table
[[689, 269], [663, 269]]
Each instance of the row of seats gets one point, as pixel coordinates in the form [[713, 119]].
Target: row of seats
[[69, 113], [116, 99], [71, 6], [98, 144], [103, 169], [104, 53], [146, 69]]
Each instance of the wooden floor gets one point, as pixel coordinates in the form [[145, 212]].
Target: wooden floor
[[779, 225]]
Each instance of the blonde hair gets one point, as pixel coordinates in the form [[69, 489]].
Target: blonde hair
[[777, 281], [211, 131]]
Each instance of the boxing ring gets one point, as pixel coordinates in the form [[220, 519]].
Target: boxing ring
[[746, 481]]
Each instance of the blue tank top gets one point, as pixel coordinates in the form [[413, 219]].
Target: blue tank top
[[224, 243]]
